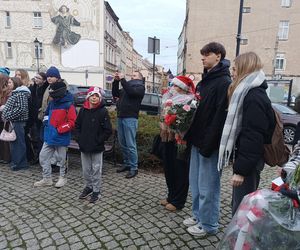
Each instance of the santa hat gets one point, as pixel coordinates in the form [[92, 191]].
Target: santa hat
[[184, 83], [92, 91]]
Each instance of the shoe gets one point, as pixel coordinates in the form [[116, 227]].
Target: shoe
[[94, 197], [123, 169], [55, 168], [171, 207], [15, 168], [131, 174], [4, 162], [61, 182], [85, 193], [196, 230], [190, 222], [43, 182], [164, 202]]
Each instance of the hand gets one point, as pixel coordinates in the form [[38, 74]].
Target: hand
[[2, 107], [237, 180]]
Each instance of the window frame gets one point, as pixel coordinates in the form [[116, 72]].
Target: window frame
[[37, 21], [286, 3], [283, 30], [8, 50], [280, 60], [7, 20], [41, 51]]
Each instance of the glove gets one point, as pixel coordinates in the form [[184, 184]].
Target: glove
[[45, 120]]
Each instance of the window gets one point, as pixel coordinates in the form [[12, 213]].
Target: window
[[37, 20], [7, 21], [38, 51], [246, 9], [280, 61], [283, 32], [286, 3], [8, 50]]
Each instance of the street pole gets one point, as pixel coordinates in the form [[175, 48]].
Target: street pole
[[238, 36], [153, 87], [37, 53]]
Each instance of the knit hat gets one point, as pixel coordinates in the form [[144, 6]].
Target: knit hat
[[93, 90], [53, 72], [57, 90], [184, 83], [4, 71]]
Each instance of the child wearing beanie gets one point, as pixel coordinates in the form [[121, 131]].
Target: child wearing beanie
[[92, 128], [58, 121]]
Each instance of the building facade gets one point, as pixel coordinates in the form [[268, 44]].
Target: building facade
[[67, 34], [271, 28]]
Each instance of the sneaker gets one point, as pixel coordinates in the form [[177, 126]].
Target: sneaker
[[43, 182], [61, 182], [190, 222], [196, 230], [85, 193], [94, 197]]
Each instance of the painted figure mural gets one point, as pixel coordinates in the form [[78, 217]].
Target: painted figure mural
[[64, 20]]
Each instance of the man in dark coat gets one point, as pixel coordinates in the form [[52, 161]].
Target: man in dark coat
[[128, 107], [204, 135]]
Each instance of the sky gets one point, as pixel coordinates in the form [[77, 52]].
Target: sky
[[148, 18]]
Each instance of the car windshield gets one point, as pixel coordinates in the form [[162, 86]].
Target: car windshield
[[83, 89], [284, 109]]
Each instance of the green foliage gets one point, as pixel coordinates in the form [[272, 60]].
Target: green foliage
[[148, 127]]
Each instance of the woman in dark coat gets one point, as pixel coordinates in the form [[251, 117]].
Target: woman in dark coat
[[249, 125]]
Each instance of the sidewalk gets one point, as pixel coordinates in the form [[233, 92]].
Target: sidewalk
[[128, 215]]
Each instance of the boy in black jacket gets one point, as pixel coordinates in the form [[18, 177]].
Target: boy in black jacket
[[92, 128]]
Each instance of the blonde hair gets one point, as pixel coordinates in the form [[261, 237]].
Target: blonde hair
[[24, 76], [245, 64]]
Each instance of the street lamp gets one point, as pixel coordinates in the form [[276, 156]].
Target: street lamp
[[37, 53]]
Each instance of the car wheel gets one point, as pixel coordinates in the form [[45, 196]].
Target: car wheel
[[289, 134]]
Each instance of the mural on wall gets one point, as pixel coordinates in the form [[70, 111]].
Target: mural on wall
[[64, 36]]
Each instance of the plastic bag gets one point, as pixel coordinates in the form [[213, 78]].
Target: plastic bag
[[264, 220]]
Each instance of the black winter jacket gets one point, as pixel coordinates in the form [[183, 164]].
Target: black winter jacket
[[130, 97], [207, 126], [258, 125], [92, 129]]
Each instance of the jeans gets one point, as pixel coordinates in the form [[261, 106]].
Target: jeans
[[47, 153], [205, 187], [127, 128], [18, 148]]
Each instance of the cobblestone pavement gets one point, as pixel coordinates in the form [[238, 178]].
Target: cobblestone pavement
[[128, 215]]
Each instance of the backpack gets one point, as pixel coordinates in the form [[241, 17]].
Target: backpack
[[276, 153]]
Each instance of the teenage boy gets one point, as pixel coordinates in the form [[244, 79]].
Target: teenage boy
[[92, 128], [204, 135]]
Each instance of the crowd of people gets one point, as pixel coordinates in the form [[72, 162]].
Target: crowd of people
[[232, 121]]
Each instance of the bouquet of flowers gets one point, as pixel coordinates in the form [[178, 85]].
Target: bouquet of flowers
[[178, 118]]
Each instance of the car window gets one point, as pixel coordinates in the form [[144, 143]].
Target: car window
[[284, 109], [83, 89]]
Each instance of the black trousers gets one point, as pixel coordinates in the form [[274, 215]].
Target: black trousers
[[176, 174], [250, 184]]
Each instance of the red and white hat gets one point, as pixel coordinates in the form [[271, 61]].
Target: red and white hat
[[184, 83], [93, 90]]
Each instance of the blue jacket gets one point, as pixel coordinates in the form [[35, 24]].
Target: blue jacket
[[59, 120]]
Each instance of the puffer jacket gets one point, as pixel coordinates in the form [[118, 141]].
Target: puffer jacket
[[59, 120], [16, 108]]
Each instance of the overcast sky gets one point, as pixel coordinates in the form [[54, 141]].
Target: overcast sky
[[149, 18]]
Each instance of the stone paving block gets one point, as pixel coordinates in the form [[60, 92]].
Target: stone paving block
[[46, 242], [111, 244]]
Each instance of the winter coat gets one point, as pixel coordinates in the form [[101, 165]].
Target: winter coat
[[258, 124], [37, 93], [92, 128], [130, 97], [59, 120], [16, 108], [45, 101], [207, 126]]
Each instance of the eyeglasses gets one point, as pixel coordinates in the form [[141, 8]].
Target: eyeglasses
[[39, 78]]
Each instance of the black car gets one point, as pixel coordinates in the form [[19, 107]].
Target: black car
[[151, 103], [290, 119], [79, 93]]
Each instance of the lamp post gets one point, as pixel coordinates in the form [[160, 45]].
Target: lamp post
[[37, 53], [240, 23]]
